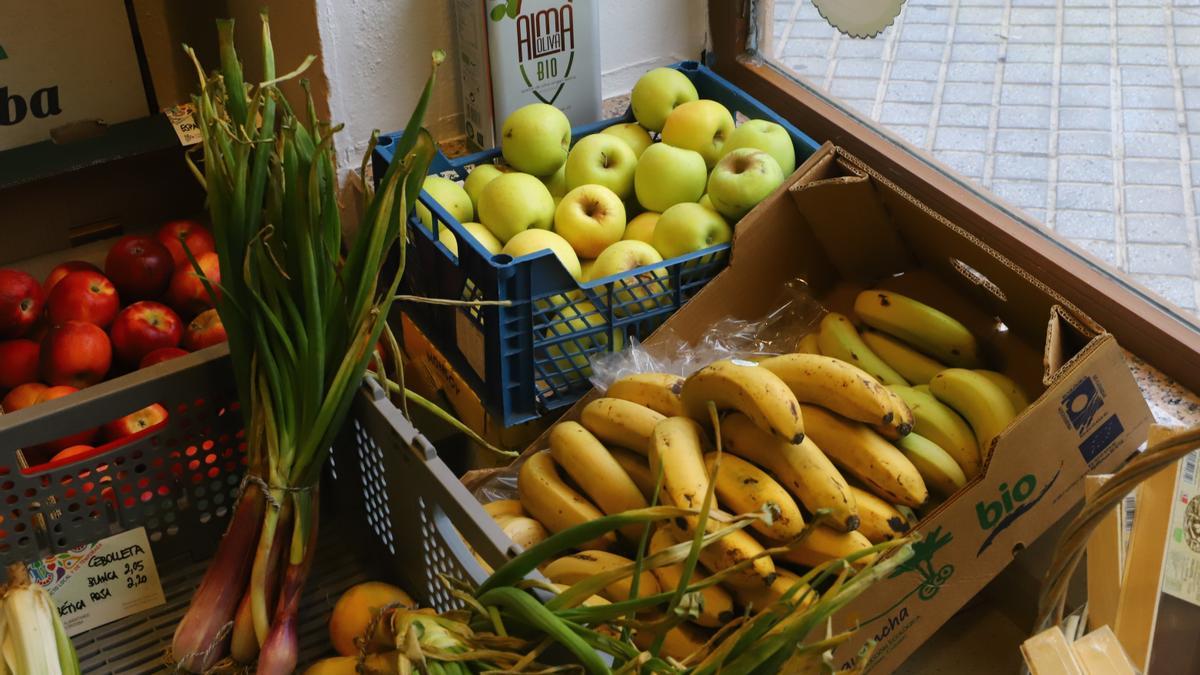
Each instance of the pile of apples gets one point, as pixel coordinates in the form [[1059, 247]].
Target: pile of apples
[[618, 199], [82, 325]]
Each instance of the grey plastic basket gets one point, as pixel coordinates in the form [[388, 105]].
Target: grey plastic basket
[[391, 509]]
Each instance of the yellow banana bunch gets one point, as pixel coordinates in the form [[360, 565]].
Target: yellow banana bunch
[[928, 329], [552, 502], [621, 423], [571, 569], [985, 406], [808, 344], [940, 424], [835, 384], [823, 544], [504, 507], [748, 388], [681, 641], [878, 520], [745, 488], [838, 338], [638, 470], [758, 599], [730, 550], [593, 468], [941, 473], [716, 606], [657, 391], [523, 530], [1010, 388], [910, 363]]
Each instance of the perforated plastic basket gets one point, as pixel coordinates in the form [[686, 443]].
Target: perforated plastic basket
[[531, 357], [391, 509]]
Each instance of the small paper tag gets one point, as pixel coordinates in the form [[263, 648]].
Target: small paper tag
[[1181, 569], [98, 583], [859, 18], [185, 125]]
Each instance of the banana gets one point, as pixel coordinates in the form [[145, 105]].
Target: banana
[[754, 600], [902, 418], [941, 473], [716, 607], [593, 469], [924, 389], [879, 520], [552, 502], [524, 531], [912, 364], [677, 451], [622, 423], [728, 551], [571, 569], [835, 384], [657, 391], [681, 641], [504, 507], [593, 601], [802, 468], [808, 345], [1010, 388], [745, 488], [749, 388], [867, 456], [839, 339], [929, 330], [940, 424], [984, 405], [823, 544], [638, 470]]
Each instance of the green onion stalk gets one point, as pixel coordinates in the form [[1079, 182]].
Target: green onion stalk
[[303, 310]]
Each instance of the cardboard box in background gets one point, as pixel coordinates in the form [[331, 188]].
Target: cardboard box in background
[[65, 63], [516, 52]]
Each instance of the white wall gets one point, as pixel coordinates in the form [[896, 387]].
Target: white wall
[[376, 57]]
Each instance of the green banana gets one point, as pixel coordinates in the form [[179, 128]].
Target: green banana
[[928, 329], [838, 338], [1010, 388], [984, 405], [940, 424], [939, 470], [912, 364]]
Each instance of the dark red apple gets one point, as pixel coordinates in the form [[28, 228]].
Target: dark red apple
[[20, 303], [159, 355], [179, 233], [23, 396], [18, 363], [134, 422], [63, 269], [140, 267], [83, 437], [187, 293], [142, 328], [75, 353], [203, 331], [83, 296]]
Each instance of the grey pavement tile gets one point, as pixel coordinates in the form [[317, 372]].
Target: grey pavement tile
[[812, 29], [1085, 224], [1029, 73], [1045, 3], [1098, 143], [1022, 167], [924, 32], [1162, 98], [850, 87], [1163, 146], [1187, 35], [1194, 170], [919, 14], [1155, 229], [1031, 34], [1188, 55], [1194, 146], [1161, 121], [971, 72], [1076, 34], [1190, 75], [1196, 200], [982, 3], [1023, 53], [960, 115], [1098, 54], [913, 133], [967, 92], [969, 164], [862, 105], [920, 51], [920, 71], [1185, 17], [1155, 76], [1142, 55], [1104, 250], [905, 113], [804, 47], [858, 68], [986, 53], [1180, 291], [1152, 172], [1085, 170], [1091, 196], [1038, 215], [1029, 16], [812, 67], [1021, 193], [1093, 119], [1083, 94], [863, 49], [909, 92], [1140, 16], [1141, 35], [783, 10], [1159, 259], [1085, 73], [960, 138], [988, 16], [1191, 98], [964, 33], [1084, 17], [1033, 142], [1026, 94], [1141, 199], [1193, 121], [1024, 117]]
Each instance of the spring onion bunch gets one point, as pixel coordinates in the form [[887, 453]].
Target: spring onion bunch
[[303, 310]]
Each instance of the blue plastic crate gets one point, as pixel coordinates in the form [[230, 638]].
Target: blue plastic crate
[[531, 357]]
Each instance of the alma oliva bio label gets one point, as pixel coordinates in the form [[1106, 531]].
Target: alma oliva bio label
[[516, 52]]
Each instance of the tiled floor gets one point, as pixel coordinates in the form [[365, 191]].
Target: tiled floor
[[1083, 113]]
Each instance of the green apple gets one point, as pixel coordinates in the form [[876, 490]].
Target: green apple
[[481, 234], [515, 202], [532, 241], [667, 175], [633, 134], [632, 294], [706, 202], [590, 217], [641, 228], [478, 179], [557, 183], [657, 93], [767, 136], [571, 358], [535, 139], [741, 180], [685, 228], [450, 196], [700, 125], [602, 159]]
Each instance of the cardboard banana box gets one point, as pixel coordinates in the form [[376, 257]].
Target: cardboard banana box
[[842, 227]]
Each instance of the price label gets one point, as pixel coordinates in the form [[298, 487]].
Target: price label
[[98, 583], [185, 125]]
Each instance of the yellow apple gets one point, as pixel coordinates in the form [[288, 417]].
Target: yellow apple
[[532, 241], [632, 294], [514, 202], [657, 93], [450, 195], [633, 134], [481, 234], [700, 125], [478, 179], [706, 202], [585, 269], [767, 136], [535, 139], [602, 159], [641, 227], [667, 175], [557, 183], [685, 228], [741, 180], [590, 217]]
